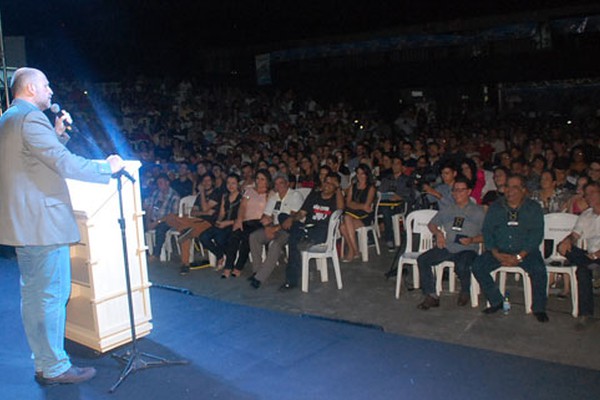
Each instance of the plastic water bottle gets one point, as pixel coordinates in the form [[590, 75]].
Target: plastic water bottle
[[506, 304]]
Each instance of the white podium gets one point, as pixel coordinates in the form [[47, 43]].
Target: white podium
[[97, 313]]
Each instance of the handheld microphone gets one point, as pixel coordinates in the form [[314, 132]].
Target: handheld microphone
[[55, 108]]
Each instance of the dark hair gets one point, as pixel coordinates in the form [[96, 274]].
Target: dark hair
[[473, 167], [448, 164], [164, 176], [266, 174], [327, 167], [333, 159], [503, 169], [551, 172], [463, 179], [334, 176], [210, 175], [233, 175], [519, 177], [541, 158], [367, 171]]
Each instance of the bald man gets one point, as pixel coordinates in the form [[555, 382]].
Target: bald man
[[37, 218]]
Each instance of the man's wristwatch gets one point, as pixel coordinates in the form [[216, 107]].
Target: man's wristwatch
[[519, 258]]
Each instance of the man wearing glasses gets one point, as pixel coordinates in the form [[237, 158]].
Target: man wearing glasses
[[512, 231], [457, 231]]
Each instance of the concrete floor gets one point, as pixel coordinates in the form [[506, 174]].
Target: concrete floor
[[368, 298]]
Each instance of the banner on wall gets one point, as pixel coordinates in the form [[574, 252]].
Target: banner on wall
[[263, 69]]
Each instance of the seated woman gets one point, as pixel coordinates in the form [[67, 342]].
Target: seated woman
[[308, 178], [475, 176], [360, 197], [215, 238], [200, 218], [552, 200], [549, 197], [576, 204], [251, 210]]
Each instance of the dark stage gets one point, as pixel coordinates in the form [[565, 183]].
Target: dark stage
[[241, 352]]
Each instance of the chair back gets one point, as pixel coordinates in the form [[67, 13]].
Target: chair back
[[304, 192], [332, 230], [416, 224], [377, 201], [557, 226], [186, 204]]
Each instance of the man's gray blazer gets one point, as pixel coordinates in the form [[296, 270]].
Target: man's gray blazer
[[35, 206]]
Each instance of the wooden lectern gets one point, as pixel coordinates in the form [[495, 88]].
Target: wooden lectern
[[97, 312]]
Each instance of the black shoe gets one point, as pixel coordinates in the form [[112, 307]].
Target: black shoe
[[428, 303], [70, 376], [184, 270], [541, 316], [463, 299], [184, 235], [251, 277], [286, 287], [255, 283], [493, 309]]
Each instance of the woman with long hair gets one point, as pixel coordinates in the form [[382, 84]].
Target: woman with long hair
[[476, 178], [253, 204], [360, 199], [216, 237]]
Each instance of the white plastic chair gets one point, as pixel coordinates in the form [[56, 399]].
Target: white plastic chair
[[439, 273], [557, 226], [475, 290], [321, 252], [416, 223], [513, 269], [362, 234], [396, 218], [304, 192]]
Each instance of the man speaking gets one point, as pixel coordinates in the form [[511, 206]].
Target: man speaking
[[37, 218]]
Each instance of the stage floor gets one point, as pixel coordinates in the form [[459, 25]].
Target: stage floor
[[356, 343]]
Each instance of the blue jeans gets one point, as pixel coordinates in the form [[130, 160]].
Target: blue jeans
[[462, 266], [533, 264], [45, 289], [214, 240]]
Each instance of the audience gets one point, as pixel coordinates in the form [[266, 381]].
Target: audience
[[182, 131]]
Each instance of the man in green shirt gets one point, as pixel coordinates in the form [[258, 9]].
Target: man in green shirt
[[512, 232]]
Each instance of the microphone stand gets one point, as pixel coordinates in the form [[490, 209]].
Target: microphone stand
[[133, 358]]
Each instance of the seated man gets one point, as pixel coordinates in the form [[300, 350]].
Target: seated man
[[396, 191], [162, 202], [442, 192], [512, 232], [462, 223], [587, 228], [316, 211], [201, 217], [277, 220]]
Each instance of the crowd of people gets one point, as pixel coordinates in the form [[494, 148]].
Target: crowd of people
[[270, 167]]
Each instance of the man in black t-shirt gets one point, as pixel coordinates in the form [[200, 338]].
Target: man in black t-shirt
[[316, 210]]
